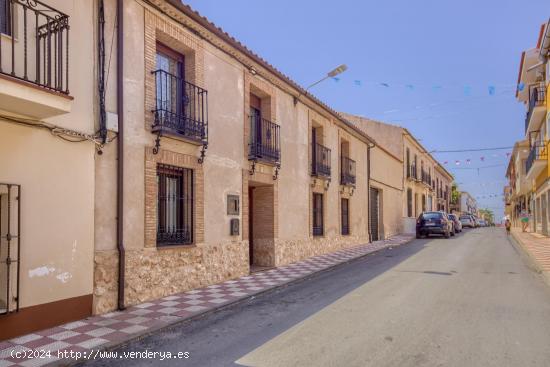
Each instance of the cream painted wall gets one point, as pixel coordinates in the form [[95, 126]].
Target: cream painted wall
[[223, 78], [294, 175], [56, 212], [57, 180], [387, 176]]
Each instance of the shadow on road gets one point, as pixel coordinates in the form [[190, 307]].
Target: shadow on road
[[223, 337]]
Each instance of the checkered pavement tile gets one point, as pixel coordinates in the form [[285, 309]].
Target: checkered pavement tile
[[117, 326]]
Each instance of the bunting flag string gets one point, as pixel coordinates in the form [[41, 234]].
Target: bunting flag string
[[483, 158], [467, 89], [489, 196], [477, 168], [499, 183]]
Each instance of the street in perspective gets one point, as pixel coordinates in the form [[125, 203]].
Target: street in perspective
[[211, 183]]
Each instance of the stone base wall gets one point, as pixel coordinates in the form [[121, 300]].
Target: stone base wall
[[153, 273], [289, 251]]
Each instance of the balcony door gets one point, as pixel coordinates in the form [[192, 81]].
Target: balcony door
[[170, 81], [256, 141]]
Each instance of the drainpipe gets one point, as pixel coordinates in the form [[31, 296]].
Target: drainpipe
[[120, 153], [369, 147]]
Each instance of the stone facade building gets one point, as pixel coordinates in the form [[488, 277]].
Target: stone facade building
[[529, 168], [229, 165], [386, 176], [468, 204], [414, 180], [427, 182]]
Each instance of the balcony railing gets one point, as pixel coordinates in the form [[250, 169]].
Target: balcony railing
[[265, 140], [36, 49], [412, 172], [347, 171], [538, 151], [320, 165], [537, 97], [425, 177], [181, 108]]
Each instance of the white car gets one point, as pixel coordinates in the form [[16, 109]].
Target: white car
[[467, 221]]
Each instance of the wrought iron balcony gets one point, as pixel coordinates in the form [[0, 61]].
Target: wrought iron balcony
[[347, 171], [426, 178], [537, 98], [181, 108], [265, 140], [538, 151], [320, 165], [36, 49], [412, 172]]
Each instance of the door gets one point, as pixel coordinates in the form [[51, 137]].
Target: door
[[543, 211], [318, 216], [171, 92], [374, 214], [250, 225], [345, 216]]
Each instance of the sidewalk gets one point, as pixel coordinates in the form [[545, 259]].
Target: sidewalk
[[537, 247], [109, 330]]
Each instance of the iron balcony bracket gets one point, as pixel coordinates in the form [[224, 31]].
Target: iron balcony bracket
[[157, 144], [277, 168], [203, 152], [252, 168]]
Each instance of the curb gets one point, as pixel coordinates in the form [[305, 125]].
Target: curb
[[533, 262], [114, 345]]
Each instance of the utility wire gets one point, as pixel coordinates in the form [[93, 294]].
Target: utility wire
[[478, 168], [69, 135], [470, 150]]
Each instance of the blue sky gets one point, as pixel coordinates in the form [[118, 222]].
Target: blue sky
[[439, 58]]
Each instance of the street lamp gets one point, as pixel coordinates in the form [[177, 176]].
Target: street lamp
[[331, 74]]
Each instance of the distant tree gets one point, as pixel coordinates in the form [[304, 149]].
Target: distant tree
[[455, 194], [487, 214]]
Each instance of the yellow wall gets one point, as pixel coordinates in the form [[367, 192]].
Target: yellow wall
[[547, 133]]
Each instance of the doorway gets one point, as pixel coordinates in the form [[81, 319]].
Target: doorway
[[261, 226], [374, 214], [544, 213], [250, 225]]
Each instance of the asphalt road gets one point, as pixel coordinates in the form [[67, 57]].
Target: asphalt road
[[472, 300]]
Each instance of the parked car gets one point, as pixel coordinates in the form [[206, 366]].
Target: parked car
[[482, 223], [434, 223], [467, 221], [456, 222], [476, 221]]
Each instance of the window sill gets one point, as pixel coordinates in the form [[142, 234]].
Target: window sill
[[176, 247]]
